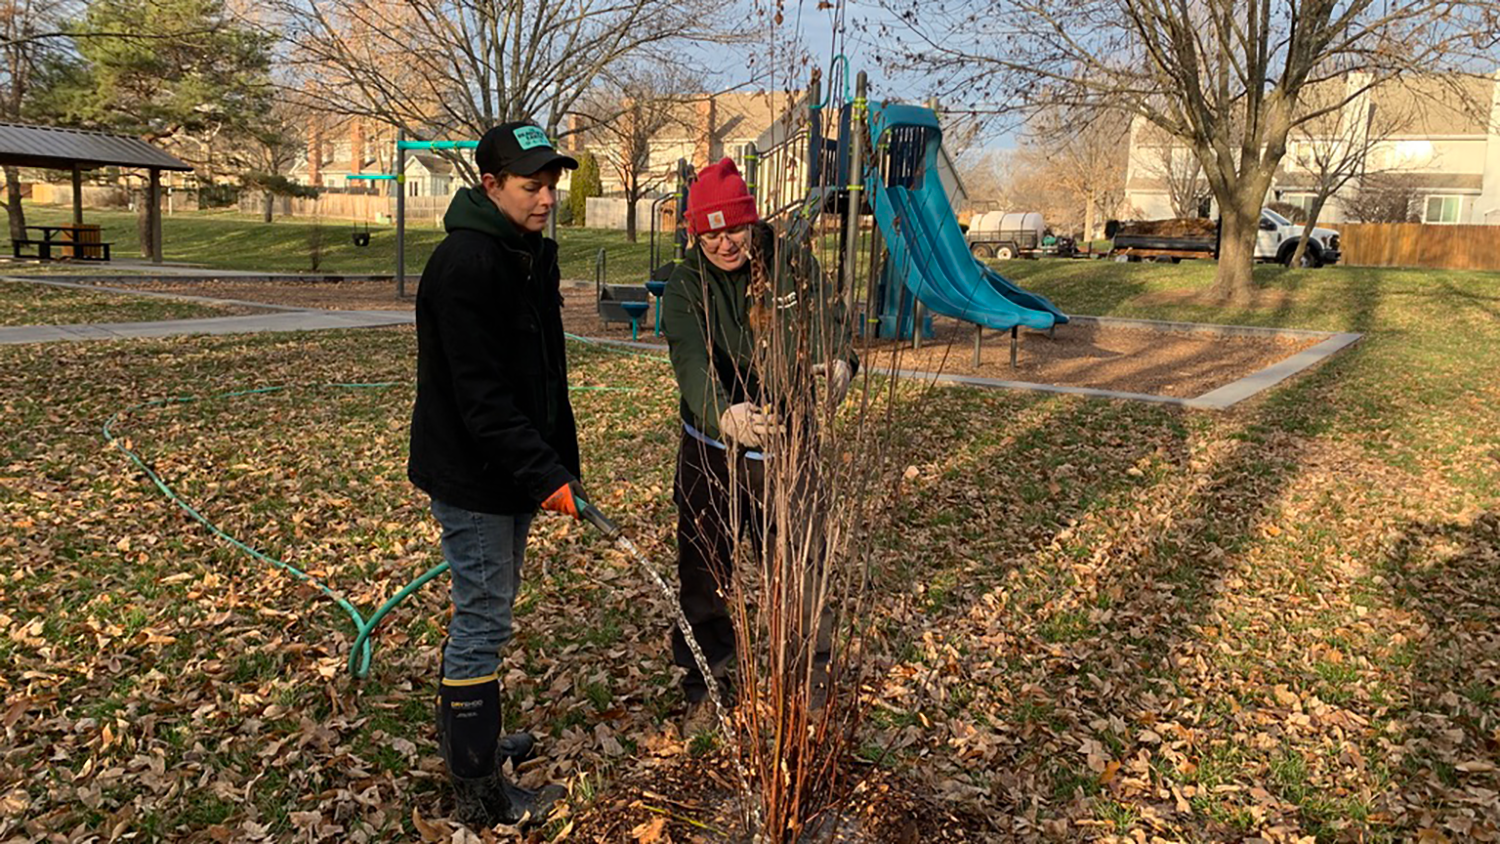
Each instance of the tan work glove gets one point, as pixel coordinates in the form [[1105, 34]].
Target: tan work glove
[[746, 425], [840, 375]]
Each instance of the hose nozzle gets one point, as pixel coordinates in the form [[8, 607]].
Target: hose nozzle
[[595, 517]]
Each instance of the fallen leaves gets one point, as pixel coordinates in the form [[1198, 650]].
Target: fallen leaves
[[653, 831], [1105, 621]]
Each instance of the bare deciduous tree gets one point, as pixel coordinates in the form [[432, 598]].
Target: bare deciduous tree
[[1226, 77], [622, 119], [1084, 158], [989, 177], [1180, 174], [33, 34], [1339, 146], [454, 68], [1382, 198]]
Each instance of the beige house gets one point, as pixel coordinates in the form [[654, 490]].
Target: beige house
[[1436, 138], [702, 129]]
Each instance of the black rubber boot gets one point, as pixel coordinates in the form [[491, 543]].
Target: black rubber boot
[[468, 722], [494, 799], [519, 748]]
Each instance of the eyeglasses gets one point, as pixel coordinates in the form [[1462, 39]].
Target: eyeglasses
[[713, 239]]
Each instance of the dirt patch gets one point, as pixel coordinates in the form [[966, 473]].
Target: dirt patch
[[704, 806], [327, 295], [1182, 364], [580, 312], [1135, 360]]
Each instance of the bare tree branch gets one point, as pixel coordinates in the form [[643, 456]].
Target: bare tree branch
[[453, 68], [1224, 77]]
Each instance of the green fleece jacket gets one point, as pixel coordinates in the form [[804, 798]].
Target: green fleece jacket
[[706, 317]]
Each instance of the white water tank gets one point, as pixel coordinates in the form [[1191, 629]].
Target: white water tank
[[998, 221], [1023, 221], [989, 221]]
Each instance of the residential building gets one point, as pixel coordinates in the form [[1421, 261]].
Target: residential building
[[1436, 140], [700, 129]]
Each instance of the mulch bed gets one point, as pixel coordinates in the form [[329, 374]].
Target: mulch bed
[[1134, 360], [687, 798]]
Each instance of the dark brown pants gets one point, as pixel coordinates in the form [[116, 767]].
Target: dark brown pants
[[706, 534]]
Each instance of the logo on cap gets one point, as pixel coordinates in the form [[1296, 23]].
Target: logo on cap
[[530, 136], [716, 219]]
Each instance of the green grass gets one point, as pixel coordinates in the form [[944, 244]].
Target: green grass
[[39, 304], [229, 240]]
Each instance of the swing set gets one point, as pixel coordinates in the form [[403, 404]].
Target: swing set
[[361, 237]]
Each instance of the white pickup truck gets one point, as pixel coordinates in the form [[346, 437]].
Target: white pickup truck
[[1173, 240], [1278, 238]]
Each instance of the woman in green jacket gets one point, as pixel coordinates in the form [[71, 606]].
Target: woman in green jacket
[[755, 335]]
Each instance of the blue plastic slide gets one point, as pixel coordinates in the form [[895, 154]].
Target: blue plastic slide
[[927, 248]]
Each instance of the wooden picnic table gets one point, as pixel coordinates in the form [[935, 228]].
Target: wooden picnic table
[[66, 236]]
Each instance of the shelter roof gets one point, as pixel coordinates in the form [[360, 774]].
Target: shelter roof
[[53, 148]]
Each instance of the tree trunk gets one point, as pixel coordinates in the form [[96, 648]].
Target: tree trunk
[[267, 207], [13, 208], [1307, 227], [1234, 282], [143, 221], [630, 217], [1088, 218]]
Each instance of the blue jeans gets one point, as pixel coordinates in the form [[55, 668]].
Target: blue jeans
[[484, 554]]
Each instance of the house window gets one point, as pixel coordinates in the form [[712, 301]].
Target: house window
[[1300, 200], [1441, 209]]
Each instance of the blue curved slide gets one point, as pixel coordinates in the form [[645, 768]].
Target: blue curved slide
[[927, 248]]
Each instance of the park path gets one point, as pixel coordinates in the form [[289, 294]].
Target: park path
[[287, 318], [279, 318]]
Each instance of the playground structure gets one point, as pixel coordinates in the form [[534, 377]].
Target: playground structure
[[883, 160]]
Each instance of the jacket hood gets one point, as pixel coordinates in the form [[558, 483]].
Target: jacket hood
[[472, 209]]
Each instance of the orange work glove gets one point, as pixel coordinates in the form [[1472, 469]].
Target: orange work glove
[[566, 500]]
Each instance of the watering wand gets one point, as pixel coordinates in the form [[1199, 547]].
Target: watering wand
[[594, 516]]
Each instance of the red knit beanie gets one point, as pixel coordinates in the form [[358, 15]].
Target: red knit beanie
[[719, 199]]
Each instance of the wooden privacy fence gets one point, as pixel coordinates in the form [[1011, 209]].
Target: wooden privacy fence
[[420, 210], [1420, 245]]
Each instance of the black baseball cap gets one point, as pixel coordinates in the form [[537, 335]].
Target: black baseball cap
[[518, 147]]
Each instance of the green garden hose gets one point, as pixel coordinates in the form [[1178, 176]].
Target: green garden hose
[[362, 652]]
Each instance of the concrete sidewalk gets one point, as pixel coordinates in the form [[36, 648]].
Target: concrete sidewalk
[[280, 318], [252, 324]]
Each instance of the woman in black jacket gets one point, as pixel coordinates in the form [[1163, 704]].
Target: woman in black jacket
[[492, 438]]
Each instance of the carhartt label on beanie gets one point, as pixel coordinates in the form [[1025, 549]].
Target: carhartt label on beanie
[[719, 199]]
